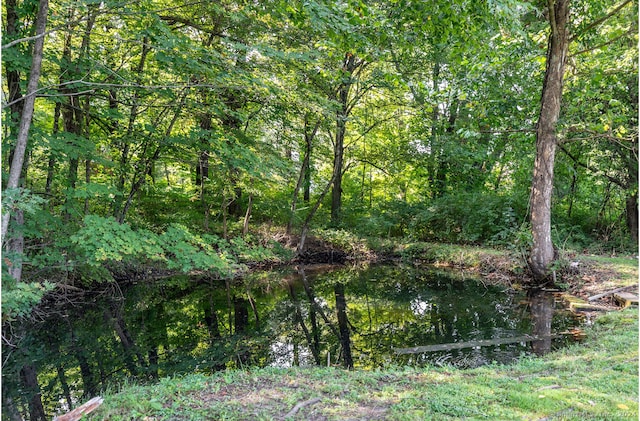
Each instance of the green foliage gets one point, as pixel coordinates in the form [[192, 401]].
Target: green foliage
[[344, 240], [21, 199], [439, 139], [249, 250], [104, 239], [466, 218], [18, 299], [101, 240], [187, 251]]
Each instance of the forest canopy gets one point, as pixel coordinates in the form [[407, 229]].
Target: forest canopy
[[173, 131]]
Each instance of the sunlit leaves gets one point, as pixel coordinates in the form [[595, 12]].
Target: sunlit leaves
[[104, 239], [18, 299]]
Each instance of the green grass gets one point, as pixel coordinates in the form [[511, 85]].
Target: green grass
[[596, 380]]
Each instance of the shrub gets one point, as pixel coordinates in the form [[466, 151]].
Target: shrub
[[473, 217]]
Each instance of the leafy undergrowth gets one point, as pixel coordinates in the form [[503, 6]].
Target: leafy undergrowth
[[597, 380]]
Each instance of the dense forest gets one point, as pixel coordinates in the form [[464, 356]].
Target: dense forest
[[140, 130], [184, 134], [190, 135]]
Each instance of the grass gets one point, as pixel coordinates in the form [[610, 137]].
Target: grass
[[596, 380]]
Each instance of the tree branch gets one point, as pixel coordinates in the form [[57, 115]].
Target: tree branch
[[600, 20], [604, 44], [177, 19], [592, 169]]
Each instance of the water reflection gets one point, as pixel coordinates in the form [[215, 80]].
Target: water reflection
[[348, 317], [542, 309]]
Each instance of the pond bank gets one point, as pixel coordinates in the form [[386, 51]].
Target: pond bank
[[598, 380]]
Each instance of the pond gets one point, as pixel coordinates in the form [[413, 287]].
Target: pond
[[339, 316]]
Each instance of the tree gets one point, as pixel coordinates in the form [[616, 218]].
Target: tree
[[542, 251], [608, 138], [28, 107]]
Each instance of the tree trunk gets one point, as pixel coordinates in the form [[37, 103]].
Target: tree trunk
[[89, 385], [27, 108], [338, 163], [51, 165], [632, 216], [202, 170], [29, 377], [125, 144], [141, 171], [211, 318], [542, 251], [306, 195], [300, 320], [240, 315], [75, 112], [343, 325], [315, 305], [305, 226], [114, 317], [247, 216], [349, 65], [62, 377], [304, 177], [13, 75]]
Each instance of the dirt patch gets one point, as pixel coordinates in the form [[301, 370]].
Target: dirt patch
[[289, 398], [315, 250], [586, 279]]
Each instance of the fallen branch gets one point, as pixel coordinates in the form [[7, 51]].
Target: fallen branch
[[301, 405], [83, 409], [474, 344], [613, 291]]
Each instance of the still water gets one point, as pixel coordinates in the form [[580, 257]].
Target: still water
[[339, 316]]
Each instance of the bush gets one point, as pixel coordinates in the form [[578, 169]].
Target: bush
[[466, 218]]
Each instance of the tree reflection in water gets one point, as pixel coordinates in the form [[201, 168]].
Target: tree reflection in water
[[353, 317], [542, 307]]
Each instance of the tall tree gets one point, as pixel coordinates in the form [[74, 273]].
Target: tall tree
[[351, 67], [27, 108], [542, 250]]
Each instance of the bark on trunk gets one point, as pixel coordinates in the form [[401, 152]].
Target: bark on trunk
[[305, 176], [241, 315], [632, 216], [349, 65], [542, 251], [247, 216], [29, 377], [62, 377], [125, 144], [305, 226], [202, 170], [27, 108]]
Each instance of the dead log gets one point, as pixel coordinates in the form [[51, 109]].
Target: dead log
[[477, 343], [301, 405], [83, 409], [613, 291]]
